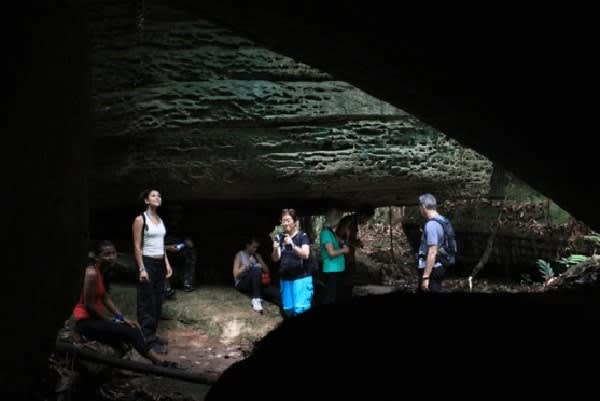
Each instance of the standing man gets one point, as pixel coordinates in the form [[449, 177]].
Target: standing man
[[187, 263], [430, 271]]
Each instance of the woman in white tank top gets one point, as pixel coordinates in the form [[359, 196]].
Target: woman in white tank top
[[149, 249]]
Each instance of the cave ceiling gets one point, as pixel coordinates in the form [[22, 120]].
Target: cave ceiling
[[202, 113], [220, 100]]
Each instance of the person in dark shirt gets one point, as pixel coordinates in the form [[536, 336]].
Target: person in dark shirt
[[290, 249]]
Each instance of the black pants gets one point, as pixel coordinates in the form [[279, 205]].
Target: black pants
[[189, 272], [112, 333], [435, 279], [347, 281], [251, 283], [184, 274], [150, 298], [334, 287]]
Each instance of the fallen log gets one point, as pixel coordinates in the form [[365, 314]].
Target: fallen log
[[135, 366]]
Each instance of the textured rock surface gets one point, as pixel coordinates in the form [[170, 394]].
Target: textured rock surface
[[205, 114]]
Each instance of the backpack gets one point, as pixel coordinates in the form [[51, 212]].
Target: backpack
[[446, 254]]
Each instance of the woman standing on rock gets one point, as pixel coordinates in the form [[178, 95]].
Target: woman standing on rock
[[149, 249]]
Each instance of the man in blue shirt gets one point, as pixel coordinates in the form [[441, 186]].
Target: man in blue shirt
[[430, 271]]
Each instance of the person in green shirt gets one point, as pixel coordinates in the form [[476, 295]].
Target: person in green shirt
[[334, 264]]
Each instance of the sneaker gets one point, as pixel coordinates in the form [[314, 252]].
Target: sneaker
[[170, 294], [188, 288], [257, 304]]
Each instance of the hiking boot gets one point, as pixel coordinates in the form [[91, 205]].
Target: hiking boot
[[257, 305]]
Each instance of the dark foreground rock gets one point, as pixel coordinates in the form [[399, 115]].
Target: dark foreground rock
[[453, 345]]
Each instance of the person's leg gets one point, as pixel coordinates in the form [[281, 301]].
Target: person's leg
[[159, 296], [249, 283], [150, 296], [348, 281], [189, 274], [256, 282], [420, 273], [286, 288], [303, 293], [145, 311], [169, 291], [435, 280], [108, 332], [244, 284], [330, 288], [338, 286]]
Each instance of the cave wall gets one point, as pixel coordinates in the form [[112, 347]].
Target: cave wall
[[46, 174]]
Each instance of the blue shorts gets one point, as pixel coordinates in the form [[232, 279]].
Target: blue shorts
[[296, 295]]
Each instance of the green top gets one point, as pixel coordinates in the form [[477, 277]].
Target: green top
[[337, 263]]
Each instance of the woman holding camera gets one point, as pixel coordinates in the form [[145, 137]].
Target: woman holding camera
[[290, 249]]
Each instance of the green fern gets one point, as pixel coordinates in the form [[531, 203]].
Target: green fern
[[545, 269], [573, 259]]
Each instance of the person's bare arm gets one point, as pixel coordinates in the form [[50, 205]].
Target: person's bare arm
[[429, 262], [276, 254], [118, 315], [136, 229], [302, 251], [262, 263], [90, 283], [335, 252], [238, 267], [168, 266]]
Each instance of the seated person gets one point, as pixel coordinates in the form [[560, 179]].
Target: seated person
[[89, 313], [248, 267]]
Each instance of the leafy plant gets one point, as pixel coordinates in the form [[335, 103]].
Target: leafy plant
[[594, 237], [573, 259], [545, 269]]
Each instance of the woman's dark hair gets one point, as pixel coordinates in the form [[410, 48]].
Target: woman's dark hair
[[146, 193], [252, 239]]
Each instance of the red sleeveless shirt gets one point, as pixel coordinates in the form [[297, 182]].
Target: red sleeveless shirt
[[80, 311]]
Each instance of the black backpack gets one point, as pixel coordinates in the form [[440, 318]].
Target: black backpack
[[446, 254]]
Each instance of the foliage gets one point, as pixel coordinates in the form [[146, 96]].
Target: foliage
[[520, 191], [594, 237], [573, 259], [545, 269]]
